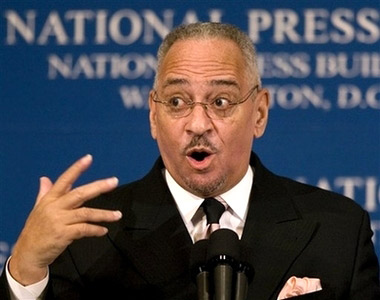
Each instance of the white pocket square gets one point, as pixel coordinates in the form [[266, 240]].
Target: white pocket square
[[299, 286]]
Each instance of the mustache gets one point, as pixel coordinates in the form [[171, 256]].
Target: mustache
[[200, 141]]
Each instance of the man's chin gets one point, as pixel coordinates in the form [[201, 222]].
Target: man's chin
[[205, 186]]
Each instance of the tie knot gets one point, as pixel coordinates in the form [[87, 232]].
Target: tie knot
[[213, 210]]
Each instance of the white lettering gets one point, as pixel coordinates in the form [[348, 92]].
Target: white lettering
[[367, 19], [349, 184], [364, 64], [153, 23], [354, 187], [134, 25], [215, 15], [284, 28], [190, 17], [316, 21], [56, 66], [83, 66], [135, 96], [53, 27], [130, 66], [79, 17], [373, 96], [293, 96], [323, 183], [102, 65], [16, 24], [370, 191], [101, 27], [127, 26], [349, 96], [375, 226], [284, 65], [341, 19], [259, 20]]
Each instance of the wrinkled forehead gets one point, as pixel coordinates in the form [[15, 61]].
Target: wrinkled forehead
[[212, 60]]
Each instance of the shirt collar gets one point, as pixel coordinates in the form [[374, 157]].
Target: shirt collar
[[237, 198]]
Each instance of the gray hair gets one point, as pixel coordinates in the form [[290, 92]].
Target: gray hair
[[212, 30]]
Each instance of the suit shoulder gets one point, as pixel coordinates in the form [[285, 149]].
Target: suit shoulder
[[314, 197]]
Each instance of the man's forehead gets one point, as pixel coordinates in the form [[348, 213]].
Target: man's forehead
[[209, 62]]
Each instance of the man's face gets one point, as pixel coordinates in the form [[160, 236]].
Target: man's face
[[206, 156]]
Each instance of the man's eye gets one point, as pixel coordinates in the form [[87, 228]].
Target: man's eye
[[176, 102], [221, 103]]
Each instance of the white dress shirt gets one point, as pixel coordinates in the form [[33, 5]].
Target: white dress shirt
[[233, 218], [21, 292], [188, 205]]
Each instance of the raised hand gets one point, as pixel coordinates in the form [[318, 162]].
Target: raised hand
[[58, 219]]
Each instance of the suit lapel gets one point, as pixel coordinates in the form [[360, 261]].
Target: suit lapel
[[152, 234], [275, 233]]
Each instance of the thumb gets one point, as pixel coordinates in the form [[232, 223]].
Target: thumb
[[45, 186]]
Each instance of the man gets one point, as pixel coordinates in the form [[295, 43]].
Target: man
[[206, 108]]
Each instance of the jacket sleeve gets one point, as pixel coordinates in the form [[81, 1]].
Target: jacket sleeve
[[4, 288], [10, 289], [365, 278]]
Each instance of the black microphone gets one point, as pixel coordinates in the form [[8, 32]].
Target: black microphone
[[198, 269], [244, 274], [223, 256]]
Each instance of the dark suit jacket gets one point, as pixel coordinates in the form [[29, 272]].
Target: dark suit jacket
[[291, 229]]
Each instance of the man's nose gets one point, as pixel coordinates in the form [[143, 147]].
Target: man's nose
[[198, 121]]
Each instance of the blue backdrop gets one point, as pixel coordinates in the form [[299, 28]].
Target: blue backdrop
[[75, 77]]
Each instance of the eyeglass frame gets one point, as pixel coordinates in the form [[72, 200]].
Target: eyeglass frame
[[205, 106]]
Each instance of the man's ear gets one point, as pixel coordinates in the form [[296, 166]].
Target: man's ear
[[261, 111], [152, 115]]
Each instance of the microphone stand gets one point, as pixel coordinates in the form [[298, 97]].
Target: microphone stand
[[223, 254]]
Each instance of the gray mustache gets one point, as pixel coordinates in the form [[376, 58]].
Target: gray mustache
[[200, 141]]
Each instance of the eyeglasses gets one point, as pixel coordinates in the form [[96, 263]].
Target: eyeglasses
[[218, 108]]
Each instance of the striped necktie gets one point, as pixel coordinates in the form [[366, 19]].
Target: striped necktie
[[213, 210]]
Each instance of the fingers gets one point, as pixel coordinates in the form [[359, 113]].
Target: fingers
[[45, 186], [94, 215], [58, 218], [68, 198], [78, 196], [82, 230], [67, 179], [83, 219]]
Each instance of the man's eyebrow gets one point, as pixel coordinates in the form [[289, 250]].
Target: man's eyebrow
[[175, 81], [225, 82]]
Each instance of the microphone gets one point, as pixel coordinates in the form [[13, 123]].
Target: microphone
[[198, 269], [223, 255], [244, 274]]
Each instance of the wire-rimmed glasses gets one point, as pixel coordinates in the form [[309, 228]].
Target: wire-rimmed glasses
[[218, 108]]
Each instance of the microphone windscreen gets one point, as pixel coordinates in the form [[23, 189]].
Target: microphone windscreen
[[198, 257], [246, 262], [224, 242]]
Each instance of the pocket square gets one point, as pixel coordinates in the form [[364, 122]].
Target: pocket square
[[299, 286]]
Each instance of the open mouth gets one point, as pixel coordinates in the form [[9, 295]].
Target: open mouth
[[200, 158], [199, 155]]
